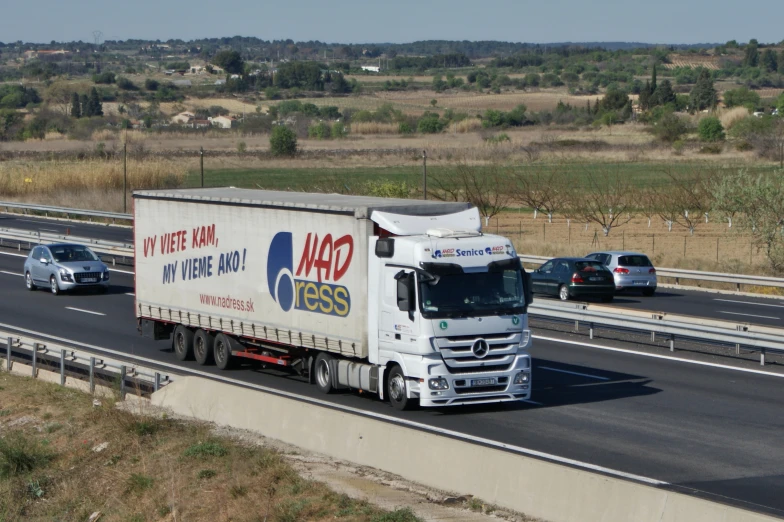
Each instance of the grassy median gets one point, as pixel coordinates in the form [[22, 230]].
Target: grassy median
[[64, 457]]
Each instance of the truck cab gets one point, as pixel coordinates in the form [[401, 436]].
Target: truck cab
[[450, 309]]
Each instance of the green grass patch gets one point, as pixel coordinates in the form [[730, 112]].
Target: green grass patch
[[350, 180], [20, 454], [207, 449]]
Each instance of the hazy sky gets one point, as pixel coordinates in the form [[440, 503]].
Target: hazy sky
[[398, 21]]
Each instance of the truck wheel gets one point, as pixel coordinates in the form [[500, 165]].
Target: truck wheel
[[397, 390], [202, 347], [224, 360], [182, 342], [323, 372]]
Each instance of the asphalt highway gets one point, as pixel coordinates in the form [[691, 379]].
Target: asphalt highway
[[713, 431], [735, 309]]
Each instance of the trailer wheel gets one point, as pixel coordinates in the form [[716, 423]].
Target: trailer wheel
[[202, 347], [397, 390], [323, 373], [222, 352], [182, 342]]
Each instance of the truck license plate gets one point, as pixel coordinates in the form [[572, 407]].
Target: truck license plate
[[482, 382], [89, 280]]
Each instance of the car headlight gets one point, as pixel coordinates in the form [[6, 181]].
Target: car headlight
[[522, 378], [106, 275], [439, 383], [65, 275]]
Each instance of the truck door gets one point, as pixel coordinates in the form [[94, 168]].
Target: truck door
[[397, 331]]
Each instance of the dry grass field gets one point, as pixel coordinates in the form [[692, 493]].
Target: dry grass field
[[694, 61]]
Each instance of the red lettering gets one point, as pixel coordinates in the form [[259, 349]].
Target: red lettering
[[149, 245], [195, 238], [308, 256], [211, 236], [340, 270], [324, 262]]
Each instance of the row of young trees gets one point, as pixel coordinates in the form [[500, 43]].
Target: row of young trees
[[752, 202]]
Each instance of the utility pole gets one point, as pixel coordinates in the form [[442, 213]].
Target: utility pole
[[424, 174], [201, 162], [125, 177]]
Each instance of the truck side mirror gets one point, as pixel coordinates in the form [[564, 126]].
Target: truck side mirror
[[528, 289], [405, 292]]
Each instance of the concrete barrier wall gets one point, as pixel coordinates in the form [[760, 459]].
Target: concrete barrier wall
[[536, 487]]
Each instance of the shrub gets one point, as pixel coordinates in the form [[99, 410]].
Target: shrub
[[498, 138], [20, 454], [283, 141], [670, 128], [744, 146], [430, 124], [711, 149], [320, 131], [242, 147], [405, 128], [710, 129], [151, 85], [677, 147], [126, 84], [338, 130]]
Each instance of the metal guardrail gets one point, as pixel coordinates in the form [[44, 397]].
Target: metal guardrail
[[32, 237], [81, 364], [678, 274], [46, 210], [710, 331]]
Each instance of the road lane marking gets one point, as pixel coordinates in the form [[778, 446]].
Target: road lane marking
[[572, 373], [749, 303], [356, 411], [130, 293], [657, 356], [83, 311], [10, 273], [748, 315], [12, 254]]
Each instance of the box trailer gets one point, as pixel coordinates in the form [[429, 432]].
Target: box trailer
[[404, 298]]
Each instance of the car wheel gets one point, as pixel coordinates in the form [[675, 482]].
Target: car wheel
[[53, 286], [648, 292], [563, 293], [202, 347], [397, 390], [323, 373], [182, 342], [29, 282]]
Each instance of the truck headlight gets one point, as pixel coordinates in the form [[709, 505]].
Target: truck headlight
[[522, 378], [65, 275], [438, 383]]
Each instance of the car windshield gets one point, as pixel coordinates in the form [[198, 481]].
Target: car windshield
[[498, 291], [589, 266], [66, 254], [634, 261]]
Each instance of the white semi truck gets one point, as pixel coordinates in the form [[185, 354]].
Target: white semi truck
[[404, 298]]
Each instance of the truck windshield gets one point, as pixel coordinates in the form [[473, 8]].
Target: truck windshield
[[453, 293]]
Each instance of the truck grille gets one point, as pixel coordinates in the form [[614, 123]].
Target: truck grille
[[481, 389], [80, 277], [459, 357]]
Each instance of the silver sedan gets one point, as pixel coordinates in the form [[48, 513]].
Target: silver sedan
[[64, 267]]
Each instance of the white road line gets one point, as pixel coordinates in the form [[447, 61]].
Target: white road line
[[39, 223], [657, 356], [356, 411], [10, 273], [748, 315], [83, 311], [749, 303], [572, 373], [110, 270], [131, 294]]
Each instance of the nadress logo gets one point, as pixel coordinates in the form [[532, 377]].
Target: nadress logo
[[325, 260]]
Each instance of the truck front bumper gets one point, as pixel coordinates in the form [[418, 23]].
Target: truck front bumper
[[439, 387]]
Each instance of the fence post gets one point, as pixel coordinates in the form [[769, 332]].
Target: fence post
[[590, 330], [762, 356], [10, 341], [672, 343], [92, 374], [35, 358], [157, 381], [62, 367], [123, 373]]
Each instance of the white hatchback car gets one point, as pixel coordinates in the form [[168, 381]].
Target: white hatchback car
[[631, 270]]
